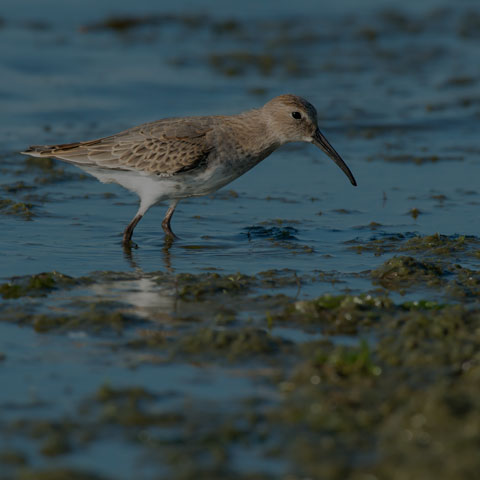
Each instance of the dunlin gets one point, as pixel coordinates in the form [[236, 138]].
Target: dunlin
[[177, 158]]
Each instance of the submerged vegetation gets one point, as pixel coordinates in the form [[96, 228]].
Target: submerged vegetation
[[35, 285], [374, 377], [18, 209]]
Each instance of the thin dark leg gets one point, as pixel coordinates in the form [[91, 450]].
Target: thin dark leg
[[127, 234], [166, 221]]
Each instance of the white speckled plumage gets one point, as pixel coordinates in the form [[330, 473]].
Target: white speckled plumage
[[177, 158]]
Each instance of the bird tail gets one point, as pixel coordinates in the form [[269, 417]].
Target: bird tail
[[49, 150]]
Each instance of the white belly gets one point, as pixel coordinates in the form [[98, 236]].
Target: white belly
[[153, 189]]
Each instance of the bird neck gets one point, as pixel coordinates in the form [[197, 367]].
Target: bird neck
[[253, 129]]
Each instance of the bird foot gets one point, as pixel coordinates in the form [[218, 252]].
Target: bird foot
[[129, 244]]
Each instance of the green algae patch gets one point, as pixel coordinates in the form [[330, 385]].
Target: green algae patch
[[465, 285], [433, 434], [37, 285], [422, 305], [199, 287], [415, 388], [129, 407], [231, 343], [441, 245], [336, 361], [336, 314], [97, 318], [436, 245], [400, 273], [213, 286], [377, 246], [332, 402], [18, 209], [433, 341]]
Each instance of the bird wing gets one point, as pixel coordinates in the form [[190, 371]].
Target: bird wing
[[164, 148]]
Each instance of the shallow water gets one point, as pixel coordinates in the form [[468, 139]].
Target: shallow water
[[396, 89]]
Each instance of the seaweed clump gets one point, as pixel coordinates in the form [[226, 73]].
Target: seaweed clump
[[22, 210], [232, 343], [399, 273], [38, 285]]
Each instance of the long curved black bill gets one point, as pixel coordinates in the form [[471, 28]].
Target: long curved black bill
[[321, 142]]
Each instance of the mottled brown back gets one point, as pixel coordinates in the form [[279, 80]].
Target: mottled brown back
[[164, 148]]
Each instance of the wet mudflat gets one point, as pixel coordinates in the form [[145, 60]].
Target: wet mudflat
[[299, 328]]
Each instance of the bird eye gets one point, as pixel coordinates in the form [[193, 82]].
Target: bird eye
[[296, 115]]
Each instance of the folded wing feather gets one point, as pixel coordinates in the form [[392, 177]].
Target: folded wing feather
[[163, 148]]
